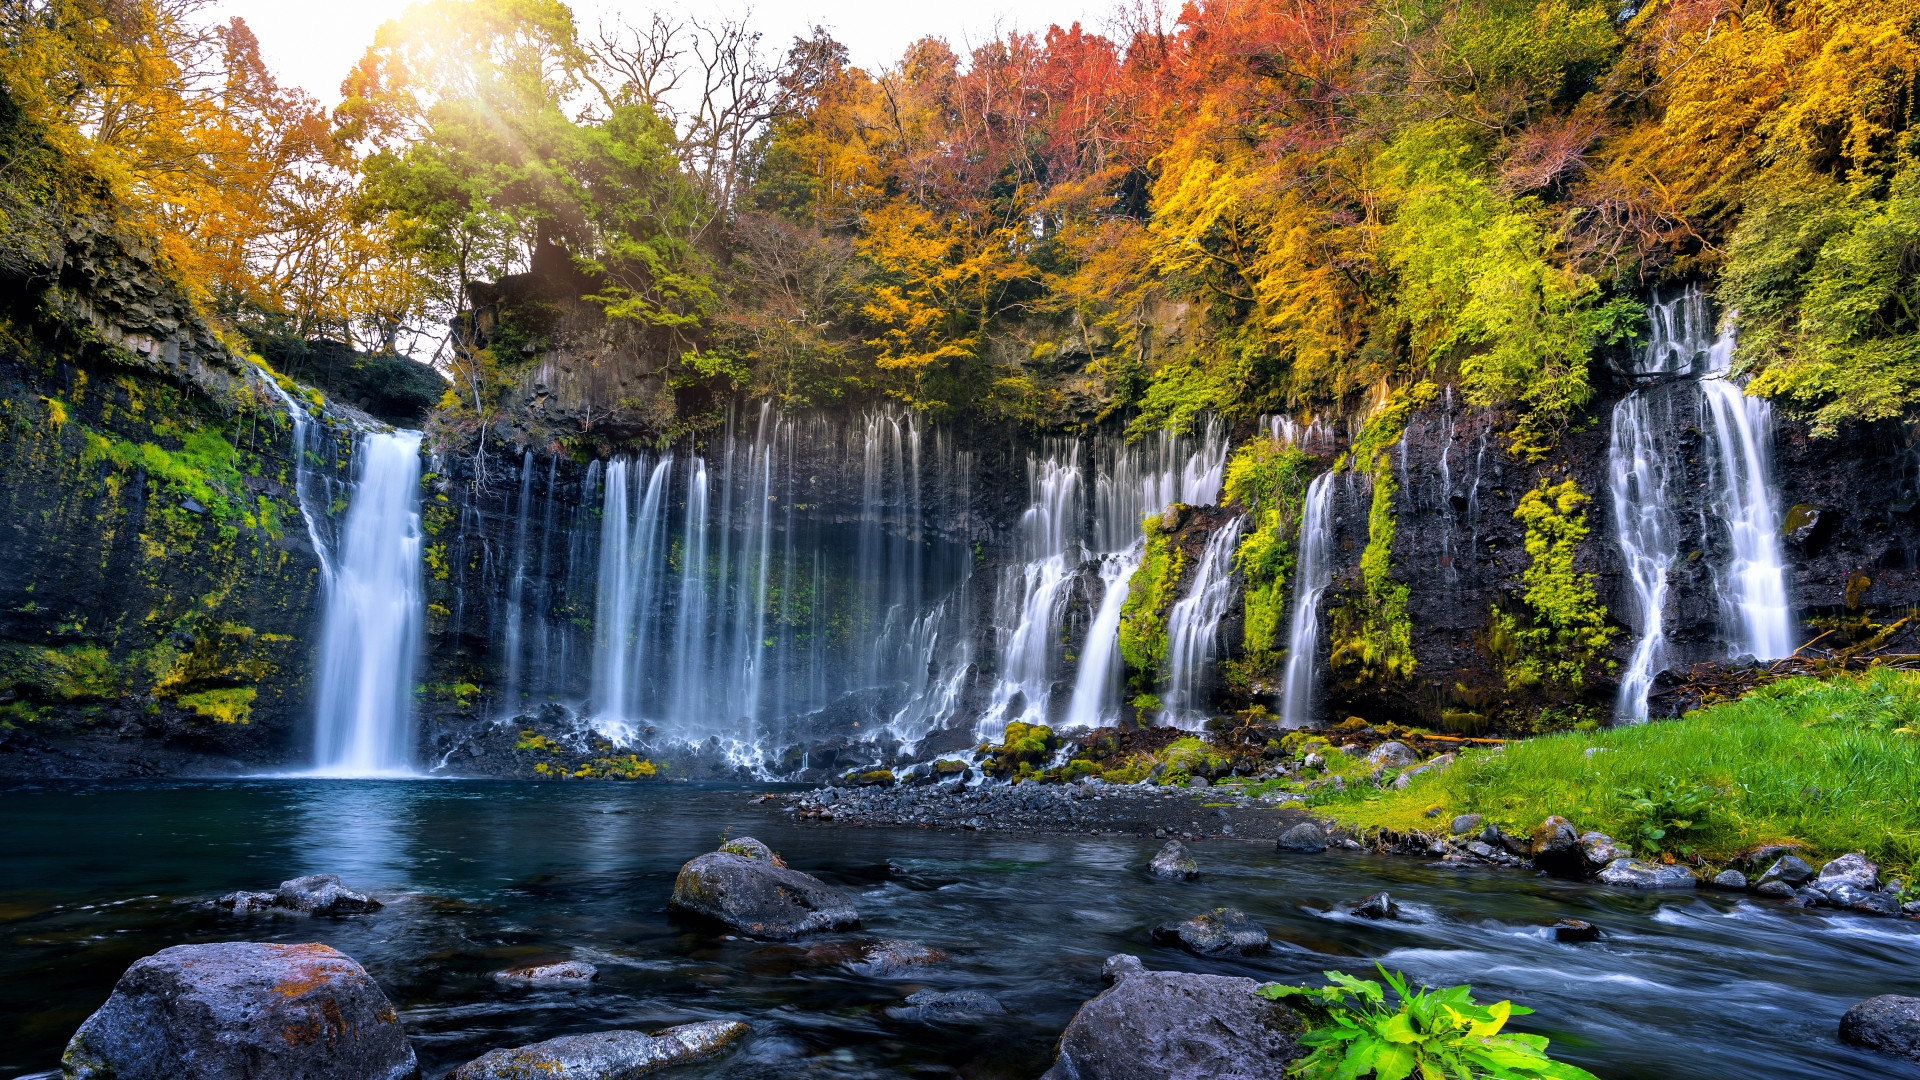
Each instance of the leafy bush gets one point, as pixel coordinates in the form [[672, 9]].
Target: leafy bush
[[1658, 817], [1432, 1033]]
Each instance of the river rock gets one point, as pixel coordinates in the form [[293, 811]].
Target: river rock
[[1175, 863], [1465, 824], [937, 1005], [1172, 1025], [892, 959], [1851, 870], [1377, 906], [1635, 874], [1556, 847], [605, 1055], [756, 897], [322, 894], [1392, 755], [1220, 932], [1888, 1023], [1730, 880], [1501, 838], [577, 972], [1305, 836], [1774, 890], [1119, 966], [248, 901], [1790, 870], [242, 1010], [1574, 930], [1598, 849], [752, 849]]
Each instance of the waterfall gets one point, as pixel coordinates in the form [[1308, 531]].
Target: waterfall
[[741, 598], [311, 490], [372, 629], [1640, 468], [517, 587], [1098, 683], [1753, 588], [1312, 574], [1028, 602], [1193, 626]]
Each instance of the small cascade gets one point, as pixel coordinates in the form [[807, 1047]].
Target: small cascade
[[371, 635], [1753, 587], [1027, 608], [1312, 574], [1641, 470], [312, 489], [1193, 626], [517, 588], [1097, 685], [1680, 335]]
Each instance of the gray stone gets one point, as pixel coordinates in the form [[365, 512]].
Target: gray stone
[[1635, 874], [1598, 849], [1730, 880], [248, 901], [1853, 870], [1483, 850], [605, 1055], [322, 894], [1506, 841], [760, 899], [1377, 906], [1556, 847], [1119, 966], [1392, 755], [1305, 836], [1777, 890], [242, 1010], [1175, 863], [577, 972], [891, 959], [1220, 932], [936, 1005], [1574, 930], [1172, 1025], [1790, 869], [1888, 1023], [750, 848], [1196, 781], [1465, 824]]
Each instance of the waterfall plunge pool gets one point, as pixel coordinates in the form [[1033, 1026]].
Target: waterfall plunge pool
[[481, 875]]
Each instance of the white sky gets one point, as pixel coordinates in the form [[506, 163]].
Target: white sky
[[312, 45]]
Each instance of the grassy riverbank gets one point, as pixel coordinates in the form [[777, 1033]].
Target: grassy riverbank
[[1834, 766]]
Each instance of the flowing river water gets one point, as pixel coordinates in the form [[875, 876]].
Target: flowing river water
[[480, 875]]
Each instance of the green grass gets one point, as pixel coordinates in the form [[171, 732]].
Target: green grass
[[1833, 766]]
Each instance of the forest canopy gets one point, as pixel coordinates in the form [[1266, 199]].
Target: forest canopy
[[1243, 208]]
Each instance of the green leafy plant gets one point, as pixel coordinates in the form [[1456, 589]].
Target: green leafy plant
[[1432, 1034], [1660, 816]]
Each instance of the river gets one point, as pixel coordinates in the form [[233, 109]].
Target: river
[[483, 874]]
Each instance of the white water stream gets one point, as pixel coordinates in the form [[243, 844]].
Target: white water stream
[[1313, 572], [1193, 627]]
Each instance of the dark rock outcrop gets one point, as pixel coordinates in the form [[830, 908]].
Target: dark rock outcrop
[[1556, 848], [1175, 863], [1377, 906], [242, 1010], [1305, 836], [759, 898], [895, 959], [1888, 1023], [1171, 1025], [322, 894], [1635, 874], [605, 1055], [938, 1005]]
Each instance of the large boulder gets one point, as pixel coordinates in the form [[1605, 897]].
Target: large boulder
[[756, 896], [1635, 874], [1172, 1025], [1852, 871], [604, 1055], [1789, 870], [1175, 863], [242, 1010], [1556, 848], [1305, 836], [1888, 1023], [1392, 755], [1220, 932]]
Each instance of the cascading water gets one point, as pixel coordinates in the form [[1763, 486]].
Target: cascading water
[[1031, 592], [737, 604], [1640, 467], [1312, 574], [311, 490], [1193, 627], [372, 629], [1098, 680], [1649, 483]]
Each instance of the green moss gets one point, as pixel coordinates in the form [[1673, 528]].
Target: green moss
[[1372, 634], [229, 706], [1023, 749], [1189, 757], [201, 470], [83, 672], [1268, 480], [1565, 625], [1150, 596], [532, 742], [462, 694]]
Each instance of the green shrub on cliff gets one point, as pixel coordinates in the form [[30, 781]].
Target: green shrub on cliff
[[1150, 595], [1566, 626], [1372, 634], [1268, 480]]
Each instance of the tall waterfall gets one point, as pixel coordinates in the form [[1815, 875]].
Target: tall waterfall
[[1061, 531], [1313, 572], [1640, 467], [1193, 626], [372, 630], [736, 600], [1649, 481]]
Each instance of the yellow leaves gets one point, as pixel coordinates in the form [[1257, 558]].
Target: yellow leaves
[[1852, 94]]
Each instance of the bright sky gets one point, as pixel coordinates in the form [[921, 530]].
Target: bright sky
[[312, 45]]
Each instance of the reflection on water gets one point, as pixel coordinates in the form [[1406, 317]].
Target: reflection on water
[[480, 875]]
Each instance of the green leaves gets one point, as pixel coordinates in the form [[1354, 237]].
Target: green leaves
[[1433, 1034], [1659, 817]]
